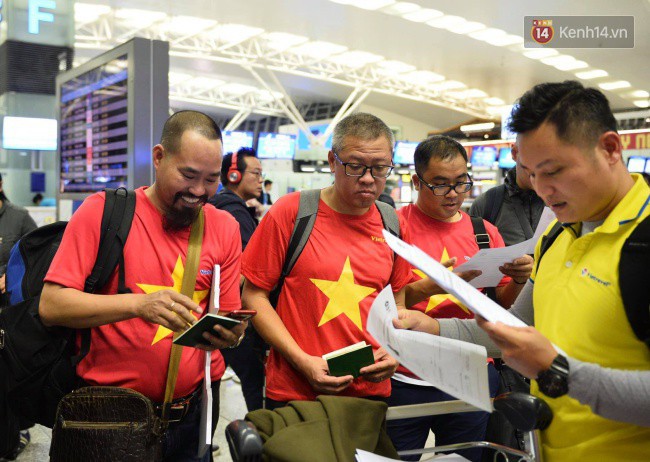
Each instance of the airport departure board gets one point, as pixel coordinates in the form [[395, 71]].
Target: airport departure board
[[94, 129]]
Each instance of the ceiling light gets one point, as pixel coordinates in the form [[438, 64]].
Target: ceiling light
[[233, 33], [401, 8], [318, 49], [281, 40], [370, 4], [467, 28], [593, 74], [617, 85], [487, 34], [541, 53], [493, 101], [139, 18], [447, 22], [237, 89], [307, 168], [183, 25], [178, 77], [505, 40], [422, 15], [355, 59], [472, 93], [205, 83], [391, 67], [484, 127], [638, 94], [85, 12], [572, 66], [447, 85], [421, 77], [558, 60], [642, 103]]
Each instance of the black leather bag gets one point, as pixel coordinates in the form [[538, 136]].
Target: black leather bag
[[106, 424]]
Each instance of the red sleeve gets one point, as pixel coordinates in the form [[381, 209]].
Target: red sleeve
[[402, 274], [496, 241], [265, 253], [75, 258], [229, 296]]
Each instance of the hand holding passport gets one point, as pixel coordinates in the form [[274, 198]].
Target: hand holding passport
[[349, 360]]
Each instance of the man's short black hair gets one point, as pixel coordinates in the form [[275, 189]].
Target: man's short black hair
[[182, 121], [267, 182], [580, 115], [437, 146], [242, 153]]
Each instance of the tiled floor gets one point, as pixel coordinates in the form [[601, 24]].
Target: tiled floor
[[232, 407]]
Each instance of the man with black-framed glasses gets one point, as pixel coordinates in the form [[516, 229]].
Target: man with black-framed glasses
[[325, 299], [438, 226]]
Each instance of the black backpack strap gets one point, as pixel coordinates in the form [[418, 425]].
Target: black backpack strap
[[483, 241], [389, 218], [493, 201], [305, 218], [480, 233], [633, 277], [547, 241], [119, 208]]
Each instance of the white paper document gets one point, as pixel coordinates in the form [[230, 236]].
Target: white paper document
[[468, 295], [365, 456], [455, 367], [488, 261], [205, 433]]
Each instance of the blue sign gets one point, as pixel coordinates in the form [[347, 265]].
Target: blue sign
[[1, 2], [35, 15]]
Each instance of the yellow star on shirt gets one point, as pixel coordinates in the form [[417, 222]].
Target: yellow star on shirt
[[177, 278], [344, 296], [436, 300]]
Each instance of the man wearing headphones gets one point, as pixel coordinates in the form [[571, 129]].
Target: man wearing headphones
[[242, 178]]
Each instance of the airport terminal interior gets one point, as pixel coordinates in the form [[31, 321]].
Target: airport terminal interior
[[277, 76]]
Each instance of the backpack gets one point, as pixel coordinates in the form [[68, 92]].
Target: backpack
[[39, 360], [633, 275], [305, 218], [493, 202]]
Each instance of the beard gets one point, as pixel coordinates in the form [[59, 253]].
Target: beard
[[179, 216]]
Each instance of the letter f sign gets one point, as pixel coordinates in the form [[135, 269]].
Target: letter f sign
[[35, 15]]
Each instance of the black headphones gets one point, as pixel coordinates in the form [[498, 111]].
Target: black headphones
[[234, 175]]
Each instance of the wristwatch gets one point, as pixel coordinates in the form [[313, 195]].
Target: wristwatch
[[554, 382]]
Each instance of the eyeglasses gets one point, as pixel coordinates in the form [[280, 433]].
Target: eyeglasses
[[444, 189], [258, 173], [358, 170]]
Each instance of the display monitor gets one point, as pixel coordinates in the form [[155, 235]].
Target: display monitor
[[484, 156], [234, 141], [29, 133], [505, 158], [404, 151], [637, 164], [111, 113], [303, 141], [276, 146]]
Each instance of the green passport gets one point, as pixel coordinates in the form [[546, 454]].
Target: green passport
[[194, 335], [349, 360]]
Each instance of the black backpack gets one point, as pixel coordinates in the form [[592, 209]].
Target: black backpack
[[39, 361], [633, 275]]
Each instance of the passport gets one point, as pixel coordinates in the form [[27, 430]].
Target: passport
[[349, 360], [194, 335]]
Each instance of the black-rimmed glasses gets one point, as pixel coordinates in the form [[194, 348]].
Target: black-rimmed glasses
[[443, 189], [358, 170]]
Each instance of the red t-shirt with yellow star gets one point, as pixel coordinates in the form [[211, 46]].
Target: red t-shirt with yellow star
[[326, 298], [135, 353], [444, 240]]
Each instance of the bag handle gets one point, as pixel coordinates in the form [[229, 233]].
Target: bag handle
[[187, 289]]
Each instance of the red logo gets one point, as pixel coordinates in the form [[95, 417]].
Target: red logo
[[542, 31]]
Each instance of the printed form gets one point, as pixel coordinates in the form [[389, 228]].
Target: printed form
[[455, 367], [489, 260]]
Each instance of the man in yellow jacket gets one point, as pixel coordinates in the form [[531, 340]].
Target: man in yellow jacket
[[586, 360]]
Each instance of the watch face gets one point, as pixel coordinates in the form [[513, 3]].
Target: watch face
[[553, 384]]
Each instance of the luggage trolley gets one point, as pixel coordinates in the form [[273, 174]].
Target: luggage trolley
[[525, 412]]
